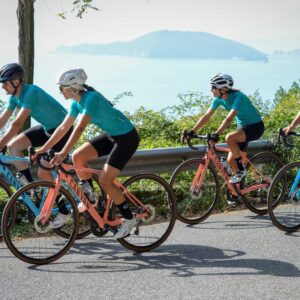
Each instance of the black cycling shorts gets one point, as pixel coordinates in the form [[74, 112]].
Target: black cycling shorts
[[253, 132], [119, 148], [38, 136]]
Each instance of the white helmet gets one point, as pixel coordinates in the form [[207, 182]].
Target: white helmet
[[74, 77], [222, 81]]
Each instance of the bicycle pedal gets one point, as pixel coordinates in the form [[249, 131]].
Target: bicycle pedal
[[96, 230]]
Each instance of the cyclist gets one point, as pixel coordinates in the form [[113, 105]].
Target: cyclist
[[293, 124], [33, 102], [250, 126], [119, 140]]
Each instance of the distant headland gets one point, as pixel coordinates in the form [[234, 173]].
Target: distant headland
[[167, 44]]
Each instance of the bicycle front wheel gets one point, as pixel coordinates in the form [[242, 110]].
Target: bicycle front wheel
[[5, 194], [266, 165], [194, 206], [155, 193], [284, 198], [30, 239]]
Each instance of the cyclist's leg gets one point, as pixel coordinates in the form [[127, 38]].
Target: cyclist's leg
[[16, 147], [81, 156], [21, 142], [124, 147], [100, 146], [238, 140], [234, 139]]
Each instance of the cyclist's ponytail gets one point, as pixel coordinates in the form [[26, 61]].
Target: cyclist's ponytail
[[88, 88], [91, 89]]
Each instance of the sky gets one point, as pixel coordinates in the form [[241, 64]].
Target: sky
[[266, 25]]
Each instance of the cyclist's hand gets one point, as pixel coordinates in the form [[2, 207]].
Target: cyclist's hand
[[287, 129], [36, 153], [186, 136], [58, 158]]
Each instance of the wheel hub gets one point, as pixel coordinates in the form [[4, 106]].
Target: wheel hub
[[151, 216], [39, 227]]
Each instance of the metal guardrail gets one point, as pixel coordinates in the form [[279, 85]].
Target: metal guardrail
[[162, 160], [167, 159]]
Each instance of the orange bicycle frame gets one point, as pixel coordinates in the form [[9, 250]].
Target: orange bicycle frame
[[101, 221]]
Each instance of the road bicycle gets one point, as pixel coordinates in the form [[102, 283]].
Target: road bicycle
[[34, 240], [196, 183], [9, 184], [284, 211]]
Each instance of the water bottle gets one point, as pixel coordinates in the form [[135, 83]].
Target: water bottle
[[21, 179], [226, 165], [88, 190]]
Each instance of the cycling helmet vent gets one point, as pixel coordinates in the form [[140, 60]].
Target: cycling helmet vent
[[222, 81], [74, 77]]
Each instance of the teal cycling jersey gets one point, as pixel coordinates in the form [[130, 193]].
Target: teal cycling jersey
[[102, 113], [44, 109], [247, 114]]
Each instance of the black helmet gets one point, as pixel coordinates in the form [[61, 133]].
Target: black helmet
[[11, 72]]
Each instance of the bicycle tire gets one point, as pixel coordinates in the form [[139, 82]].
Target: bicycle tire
[[285, 214], [5, 193], [27, 239], [155, 192], [268, 164], [192, 208]]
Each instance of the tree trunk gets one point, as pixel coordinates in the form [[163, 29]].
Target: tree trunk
[[25, 14]]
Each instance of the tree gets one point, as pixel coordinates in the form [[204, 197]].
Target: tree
[[25, 13]]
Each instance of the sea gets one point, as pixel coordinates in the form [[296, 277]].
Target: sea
[[156, 83]]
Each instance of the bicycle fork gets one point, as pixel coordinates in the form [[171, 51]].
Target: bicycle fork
[[40, 222]]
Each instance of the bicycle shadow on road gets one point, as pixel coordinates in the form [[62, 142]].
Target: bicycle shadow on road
[[252, 222], [180, 260]]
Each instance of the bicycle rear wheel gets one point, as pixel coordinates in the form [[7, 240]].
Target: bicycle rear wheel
[[29, 239], [5, 194], [284, 198], [266, 165], [155, 193], [193, 207]]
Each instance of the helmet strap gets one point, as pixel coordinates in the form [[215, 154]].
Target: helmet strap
[[16, 86]]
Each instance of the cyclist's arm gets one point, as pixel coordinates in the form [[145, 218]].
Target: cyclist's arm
[[84, 120], [294, 123], [4, 117], [204, 119], [15, 126], [226, 121], [58, 134]]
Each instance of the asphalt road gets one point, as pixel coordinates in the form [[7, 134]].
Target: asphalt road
[[234, 255]]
